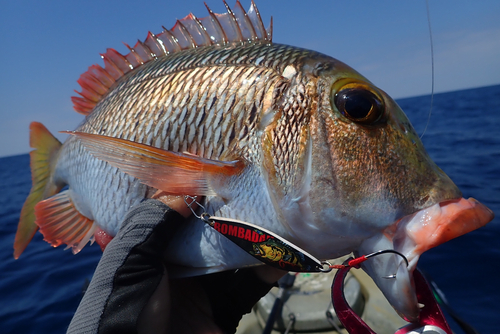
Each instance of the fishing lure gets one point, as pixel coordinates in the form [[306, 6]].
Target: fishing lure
[[262, 244]]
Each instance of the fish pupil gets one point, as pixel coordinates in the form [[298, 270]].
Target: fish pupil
[[358, 104]]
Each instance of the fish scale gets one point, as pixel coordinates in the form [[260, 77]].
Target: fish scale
[[216, 138], [217, 124], [289, 136]]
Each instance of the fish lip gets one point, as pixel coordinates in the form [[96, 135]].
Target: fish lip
[[448, 202], [411, 236], [441, 222]]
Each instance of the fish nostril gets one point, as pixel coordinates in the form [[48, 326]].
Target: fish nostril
[[424, 200]]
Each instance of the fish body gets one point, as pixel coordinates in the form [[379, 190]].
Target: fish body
[[210, 102], [288, 139]]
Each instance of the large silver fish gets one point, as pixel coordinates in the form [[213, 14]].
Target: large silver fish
[[289, 139]]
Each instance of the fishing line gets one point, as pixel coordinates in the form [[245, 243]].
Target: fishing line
[[432, 66]]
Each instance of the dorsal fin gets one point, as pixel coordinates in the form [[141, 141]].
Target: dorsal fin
[[235, 26]]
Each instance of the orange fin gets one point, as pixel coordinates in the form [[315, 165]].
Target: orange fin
[[172, 172], [235, 26], [43, 159], [60, 222]]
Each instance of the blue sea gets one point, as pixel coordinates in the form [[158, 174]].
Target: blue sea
[[40, 291]]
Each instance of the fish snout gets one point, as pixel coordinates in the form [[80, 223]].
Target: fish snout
[[444, 189]]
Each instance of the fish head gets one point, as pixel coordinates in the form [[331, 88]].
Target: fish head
[[368, 184], [367, 161]]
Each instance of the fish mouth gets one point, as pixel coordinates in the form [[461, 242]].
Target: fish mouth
[[411, 236]]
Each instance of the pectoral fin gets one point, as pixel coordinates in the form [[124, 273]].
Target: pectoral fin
[[172, 172]]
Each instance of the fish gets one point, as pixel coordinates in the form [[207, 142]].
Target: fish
[[286, 138], [274, 250]]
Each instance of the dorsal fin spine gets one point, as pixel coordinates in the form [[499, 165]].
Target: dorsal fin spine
[[234, 26], [234, 22], [87, 92], [258, 21], [119, 60], [218, 26], [111, 67], [161, 46], [246, 24], [270, 31], [144, 52], [133, 58], [153, 45], [94, 83], [201, 30], [82, 105], [186, 34], [171, 40], [101, 75]]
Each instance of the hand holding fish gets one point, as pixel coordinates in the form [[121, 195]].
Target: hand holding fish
[[132, 293]]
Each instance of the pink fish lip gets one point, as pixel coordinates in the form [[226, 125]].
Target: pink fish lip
[[411, 236], [437, 224]]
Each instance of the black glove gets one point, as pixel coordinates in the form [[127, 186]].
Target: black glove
[[131, 270]]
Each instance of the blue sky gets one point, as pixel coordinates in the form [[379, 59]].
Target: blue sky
[[46, 45]]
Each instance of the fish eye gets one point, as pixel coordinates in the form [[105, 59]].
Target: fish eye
[[359, 104]]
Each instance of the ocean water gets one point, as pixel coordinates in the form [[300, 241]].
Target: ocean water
[[40, 291]]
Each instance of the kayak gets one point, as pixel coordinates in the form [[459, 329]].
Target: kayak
[[307, 306]]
